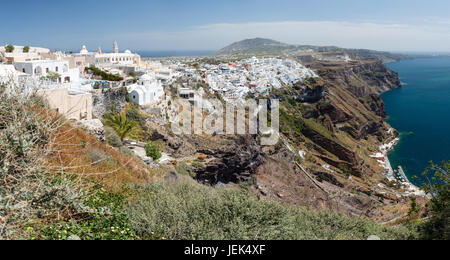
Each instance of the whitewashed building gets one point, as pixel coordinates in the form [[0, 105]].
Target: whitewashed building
[[146, 91], [42, 68]]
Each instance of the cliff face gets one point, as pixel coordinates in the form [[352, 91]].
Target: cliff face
[[361, 78], [337, 132], [330, 127]]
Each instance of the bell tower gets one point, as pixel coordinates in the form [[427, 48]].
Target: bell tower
[[116, 47]]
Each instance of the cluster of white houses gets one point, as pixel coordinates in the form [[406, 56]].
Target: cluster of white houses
[[236, 80], [62, 80]]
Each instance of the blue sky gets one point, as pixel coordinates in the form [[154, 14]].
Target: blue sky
[[396, 25]]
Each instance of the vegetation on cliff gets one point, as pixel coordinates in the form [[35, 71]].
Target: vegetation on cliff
[[438, 226], [103, 74], [55, 179], [188, 210]]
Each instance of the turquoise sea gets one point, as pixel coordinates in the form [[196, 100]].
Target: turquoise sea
[[420, 111]]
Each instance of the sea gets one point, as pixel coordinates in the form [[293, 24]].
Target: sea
[[420, 111], [167, 54]]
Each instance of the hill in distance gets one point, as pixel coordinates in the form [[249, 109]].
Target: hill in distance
[[257, 46], [261, 46]]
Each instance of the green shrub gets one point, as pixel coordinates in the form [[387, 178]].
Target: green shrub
[[188, 210], [184, 169], [26, 192], [105, 75], [126, 151], [104, 219], [197, 164], [134, 115], [9, 48], [153, 150], [437, 227], [98, 156], [112, 138]]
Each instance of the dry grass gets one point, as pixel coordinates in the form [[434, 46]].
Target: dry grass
[[70, 152]]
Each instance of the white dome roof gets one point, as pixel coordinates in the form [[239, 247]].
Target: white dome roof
[[84, 50], [128, 52]]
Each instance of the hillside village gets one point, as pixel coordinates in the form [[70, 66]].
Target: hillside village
[[145, 81], [76, 85], [91, 89], [73, 83]]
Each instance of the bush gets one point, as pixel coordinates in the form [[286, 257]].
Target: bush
[[134, 115], [126, 151], [105, 220], [153, 150], [98, 156], [27, 192], [105, 75], [184, 169], [26, 49], [438, 228], [197, 164], [9, 48], [188, 210], [112, 138]]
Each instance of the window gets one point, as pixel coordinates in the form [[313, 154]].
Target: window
[[56, 69], [47, 70], [23, 70]]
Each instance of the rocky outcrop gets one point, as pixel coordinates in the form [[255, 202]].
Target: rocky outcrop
[[374, 103], [337, 149], [349, 111], [361, 78], [312, 95], [108, 99], [231, 164], [328, 177], [336, 115]]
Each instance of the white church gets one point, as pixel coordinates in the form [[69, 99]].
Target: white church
[[148, 90]]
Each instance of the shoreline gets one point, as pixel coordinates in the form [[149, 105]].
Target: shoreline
[[383, 159]]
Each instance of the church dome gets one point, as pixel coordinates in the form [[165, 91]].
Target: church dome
[[128, 52], [84, 50]]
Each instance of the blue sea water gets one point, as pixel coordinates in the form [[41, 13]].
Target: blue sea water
[[165, 54], [420, 111]]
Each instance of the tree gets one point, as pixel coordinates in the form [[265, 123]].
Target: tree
[[26, 49], [120, 123], [437, 228], [153, 150], [52, 76], [9, 48]]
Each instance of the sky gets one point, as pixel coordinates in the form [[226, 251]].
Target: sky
[[394, 25]]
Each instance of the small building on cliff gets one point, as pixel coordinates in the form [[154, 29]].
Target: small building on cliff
[[148, 90], [72, 105]]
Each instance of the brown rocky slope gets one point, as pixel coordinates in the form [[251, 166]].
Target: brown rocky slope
[[329, 128]]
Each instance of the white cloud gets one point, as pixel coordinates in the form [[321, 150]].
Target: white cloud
[[379, 36]]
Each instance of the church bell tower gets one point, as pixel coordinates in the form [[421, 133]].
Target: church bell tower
[[116, 47]]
